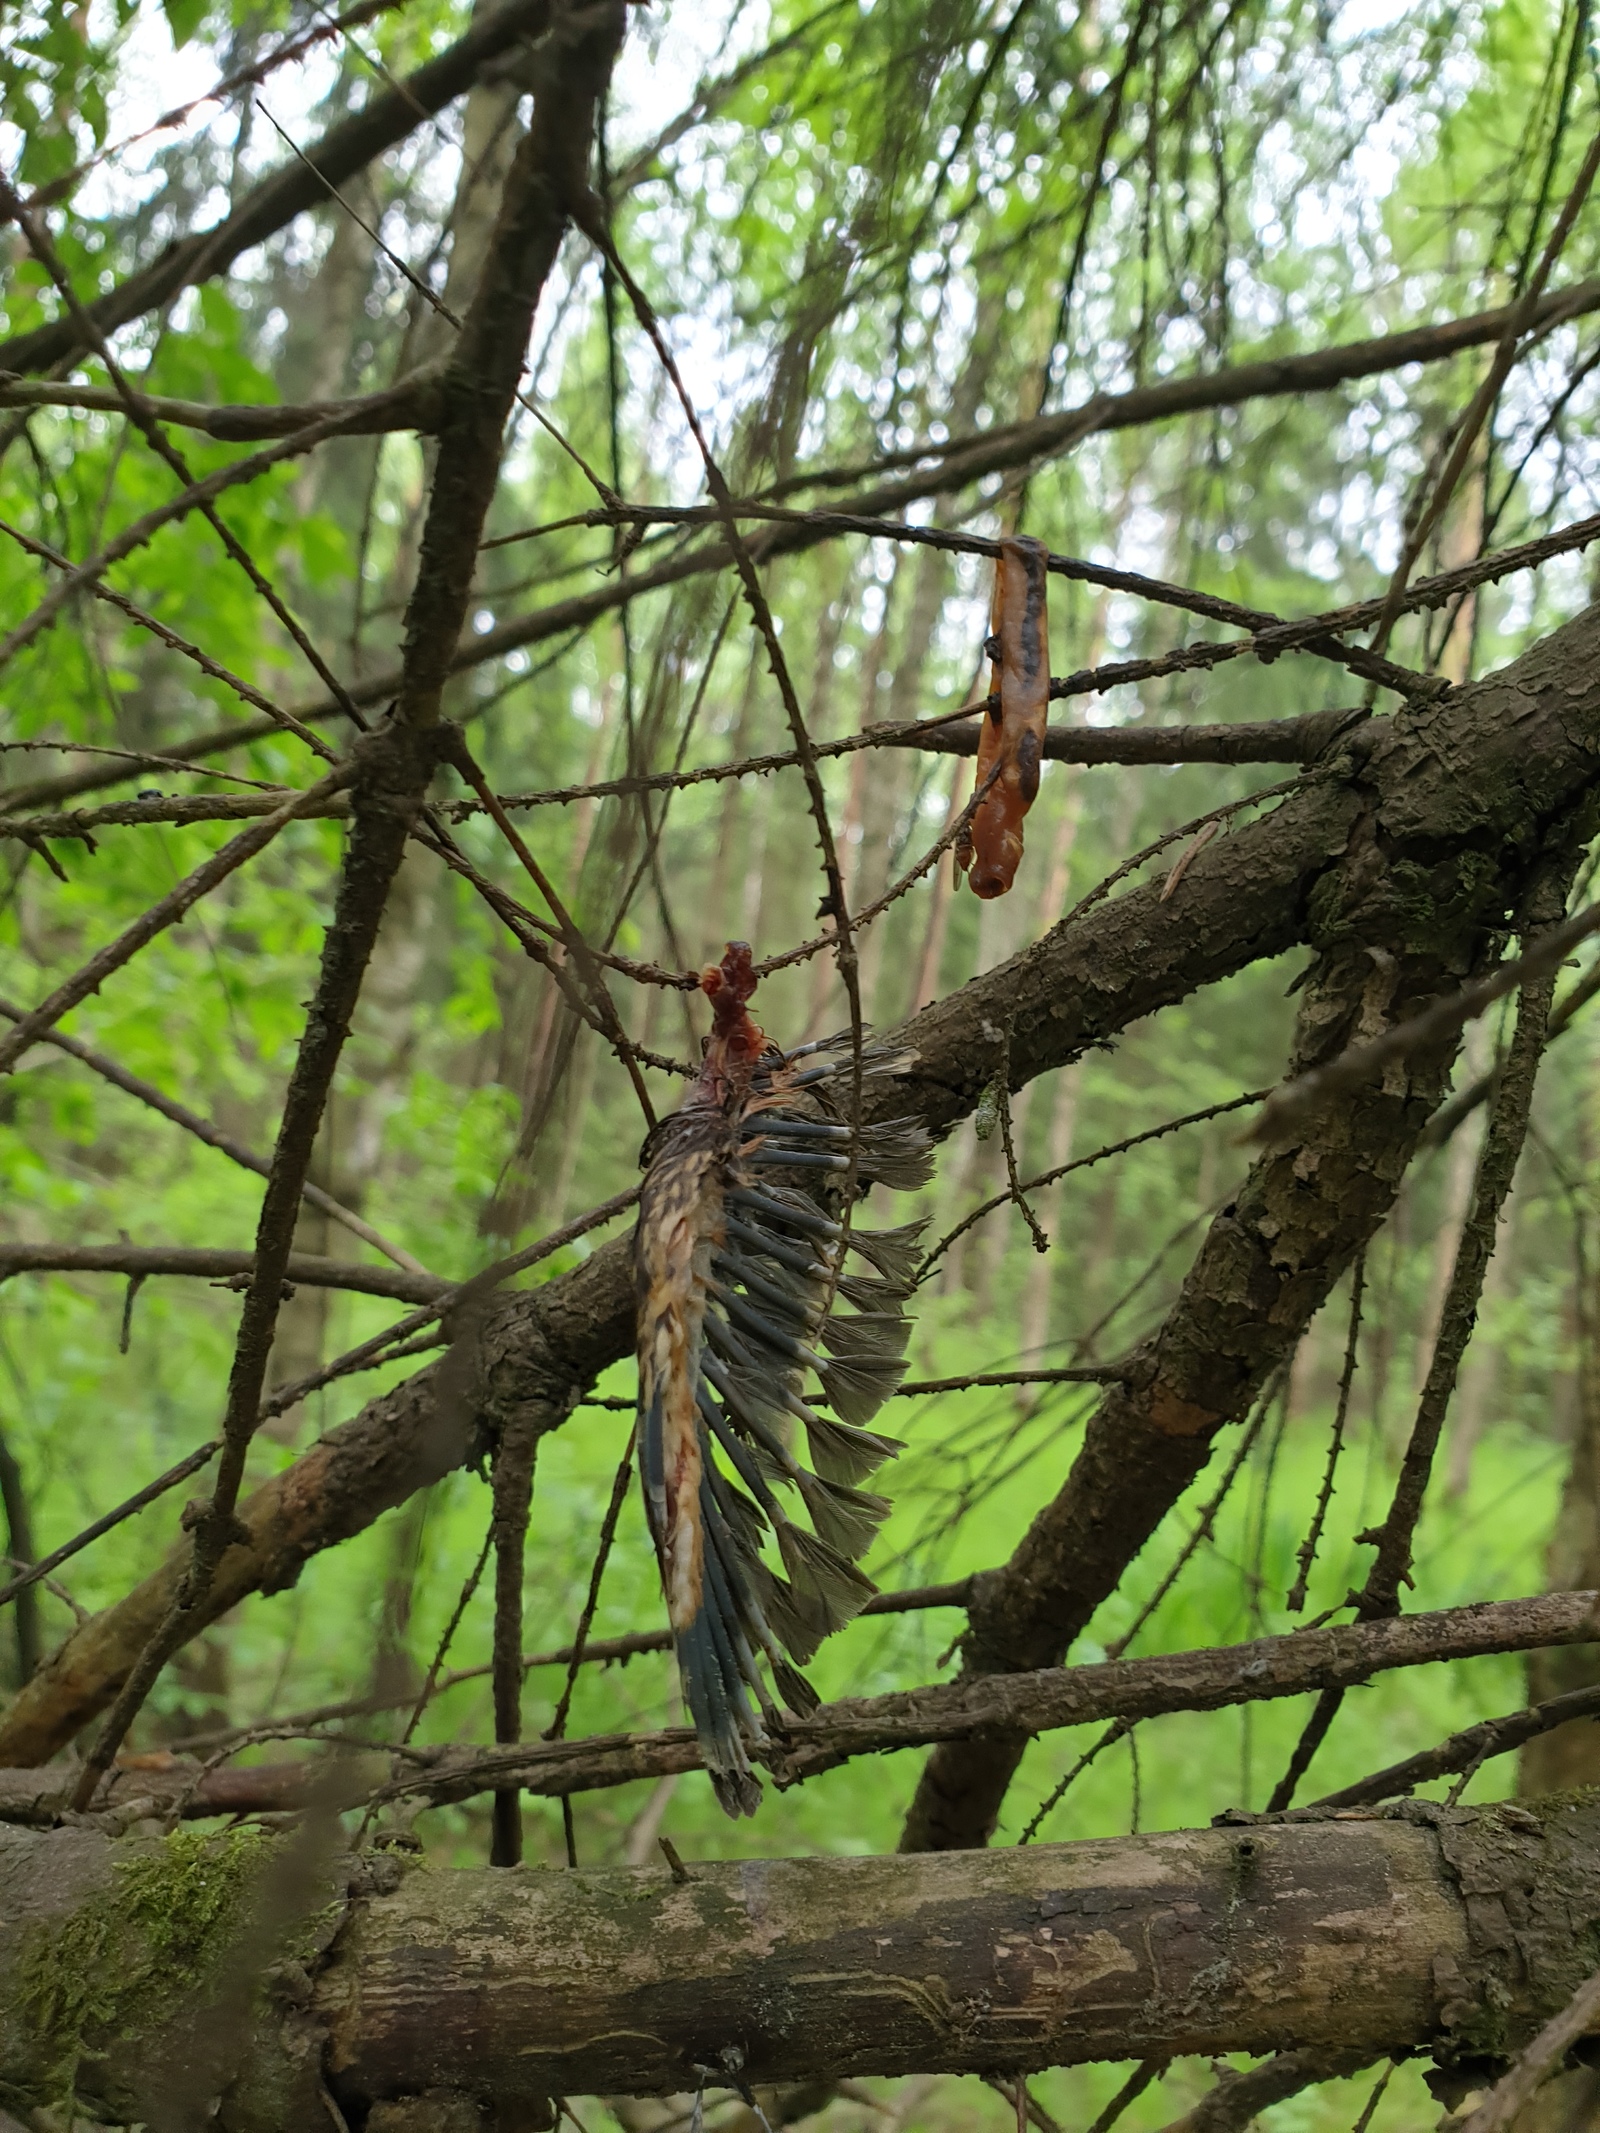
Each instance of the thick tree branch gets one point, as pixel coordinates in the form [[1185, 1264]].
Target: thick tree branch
[[1402, 916], [1487, 772], [1040, 1702], [1212, 1679], [1422, 1930]]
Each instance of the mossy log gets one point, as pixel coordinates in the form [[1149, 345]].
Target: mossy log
[[1421, 1929]]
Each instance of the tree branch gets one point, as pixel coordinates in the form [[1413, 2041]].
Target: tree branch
[[166, 911], [396, 763], [1275, 740], [213, 1136], [300, 185], [1029, 1704], [411, 404], [1129, 1690], [1308, 1206], [1016, 444], [578, 613], [205, 1264], [1237, 2098], [995, 451], [1465, 1750]]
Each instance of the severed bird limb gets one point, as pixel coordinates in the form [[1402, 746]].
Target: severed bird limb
[[737, 1274]]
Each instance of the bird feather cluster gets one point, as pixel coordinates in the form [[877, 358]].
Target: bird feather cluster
[[742, 1256]]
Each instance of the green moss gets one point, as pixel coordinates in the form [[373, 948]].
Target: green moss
[[121, 1963]]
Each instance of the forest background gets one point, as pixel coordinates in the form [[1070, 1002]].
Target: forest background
[[868, 228]]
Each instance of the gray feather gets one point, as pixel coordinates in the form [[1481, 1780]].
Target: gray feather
[[847, 1519], [840, 1453], [858, 1385]]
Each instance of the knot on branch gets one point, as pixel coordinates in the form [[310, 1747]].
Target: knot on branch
[[198, 1515], [395, 764]]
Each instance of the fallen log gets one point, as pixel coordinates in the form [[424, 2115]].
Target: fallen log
[[1420, 1929]]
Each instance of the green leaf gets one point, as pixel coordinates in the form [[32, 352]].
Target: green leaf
[[184, 17]]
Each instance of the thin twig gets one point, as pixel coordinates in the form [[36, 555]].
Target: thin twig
[[213, 669], [288, 53], [227, 1269], [191, 1463], [1466, 1751], [1306, 1555], [579, 949], [1206, 1528], [1047, 1806], [602, 1555], [1134, 2087], [39, 243], [1518, 320], [598, 1651], [213, 1136], [1084, 1162], [165, 912], [381, 1348], [1287, 740]]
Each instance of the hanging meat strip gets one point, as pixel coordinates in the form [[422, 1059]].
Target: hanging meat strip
[[1013, 727]]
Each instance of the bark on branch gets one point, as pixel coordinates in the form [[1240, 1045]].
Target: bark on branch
[[1272, 740], [1420, 1929], [141, 1261]]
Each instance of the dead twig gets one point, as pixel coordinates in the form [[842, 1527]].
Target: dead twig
[[213, 1136]]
